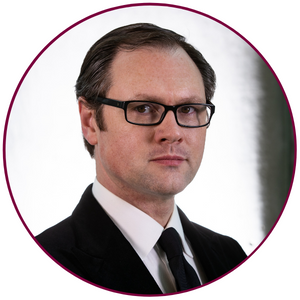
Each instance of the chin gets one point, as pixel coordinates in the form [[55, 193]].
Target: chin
[[163, 186], [170, 190]]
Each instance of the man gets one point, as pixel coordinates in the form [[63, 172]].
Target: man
[[144, 101]]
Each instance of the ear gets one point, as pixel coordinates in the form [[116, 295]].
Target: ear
[[88, 122]]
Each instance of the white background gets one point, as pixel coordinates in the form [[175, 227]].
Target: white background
[[28, 27]]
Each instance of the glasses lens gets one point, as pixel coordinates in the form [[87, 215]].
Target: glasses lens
[[144, 112], [193, 115]]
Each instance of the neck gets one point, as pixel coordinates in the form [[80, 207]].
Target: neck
[[160, 211]]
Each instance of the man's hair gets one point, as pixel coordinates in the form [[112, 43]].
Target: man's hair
[[95, 79]]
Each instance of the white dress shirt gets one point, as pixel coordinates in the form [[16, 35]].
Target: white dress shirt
[[143, 232]]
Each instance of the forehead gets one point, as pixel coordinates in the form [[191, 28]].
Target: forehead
[[164, 73]]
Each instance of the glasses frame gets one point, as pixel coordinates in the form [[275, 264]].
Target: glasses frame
[[123, 105]]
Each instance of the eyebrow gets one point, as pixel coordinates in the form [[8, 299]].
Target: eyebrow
[[147, 97]]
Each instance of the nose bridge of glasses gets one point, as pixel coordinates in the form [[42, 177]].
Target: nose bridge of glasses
[[167, 109]]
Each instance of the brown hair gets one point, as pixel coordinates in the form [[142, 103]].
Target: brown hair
[[94, 79]]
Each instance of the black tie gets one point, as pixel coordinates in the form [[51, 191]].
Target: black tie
[[184, 274]]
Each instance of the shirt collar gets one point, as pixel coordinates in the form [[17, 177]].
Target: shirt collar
[[139, 229], [176, 223]]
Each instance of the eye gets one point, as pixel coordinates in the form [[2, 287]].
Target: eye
[[143, 108], [187, 109]]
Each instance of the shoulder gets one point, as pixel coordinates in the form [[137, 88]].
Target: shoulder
[[221, 242], [222, 245], [59, 235], [61, 240], [58, 242], [63, 235]]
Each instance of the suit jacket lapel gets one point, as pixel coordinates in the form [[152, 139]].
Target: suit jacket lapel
[[105, 254]]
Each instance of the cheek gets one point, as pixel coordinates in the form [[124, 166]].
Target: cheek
[[121, 150], [198, 142]]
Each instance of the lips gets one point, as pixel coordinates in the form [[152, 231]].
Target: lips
[[169, 160]]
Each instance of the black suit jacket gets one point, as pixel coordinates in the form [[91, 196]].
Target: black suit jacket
[[90, 245]]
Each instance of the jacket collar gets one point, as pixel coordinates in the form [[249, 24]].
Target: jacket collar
[[101, 246]]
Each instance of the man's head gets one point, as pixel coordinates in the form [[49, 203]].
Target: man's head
[[143, 62], [95, 75]]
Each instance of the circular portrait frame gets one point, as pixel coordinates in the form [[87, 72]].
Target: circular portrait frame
[[27, 211]]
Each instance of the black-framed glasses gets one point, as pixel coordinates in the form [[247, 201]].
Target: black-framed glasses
[[148, 113]]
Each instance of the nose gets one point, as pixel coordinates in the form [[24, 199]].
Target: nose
[[168, 131]]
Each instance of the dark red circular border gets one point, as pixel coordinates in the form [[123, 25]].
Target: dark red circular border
[[102, 12]]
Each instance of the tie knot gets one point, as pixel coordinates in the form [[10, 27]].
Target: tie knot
[[170, 242], [185, 276]]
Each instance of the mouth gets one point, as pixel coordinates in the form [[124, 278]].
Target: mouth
[[169, 160]]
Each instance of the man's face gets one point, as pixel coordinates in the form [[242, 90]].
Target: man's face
[[150, 161]]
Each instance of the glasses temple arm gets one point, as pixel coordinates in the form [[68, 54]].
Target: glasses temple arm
[[111, 102]]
